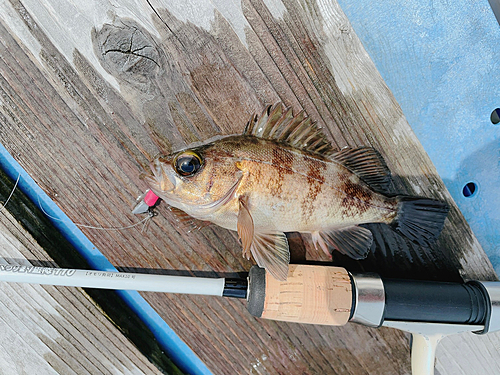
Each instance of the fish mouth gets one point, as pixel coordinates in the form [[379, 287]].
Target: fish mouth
[[162, 180]]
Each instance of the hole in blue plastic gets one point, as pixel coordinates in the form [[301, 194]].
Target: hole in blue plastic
[[495, 116], [469, 190]]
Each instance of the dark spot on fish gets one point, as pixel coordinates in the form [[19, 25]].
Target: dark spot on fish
[[216, 157], [238, 142], [282, 159], [356, 200], [316, 169], [315, 180], [256, 177], [210, 181], [250, 140]]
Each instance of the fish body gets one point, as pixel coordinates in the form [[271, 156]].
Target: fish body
[[281, 176], [287, 189]]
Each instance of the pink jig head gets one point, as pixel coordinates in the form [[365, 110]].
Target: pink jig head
[[146, 202]]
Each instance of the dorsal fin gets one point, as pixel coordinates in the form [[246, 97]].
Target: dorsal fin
[[367, 164], [278, 123]]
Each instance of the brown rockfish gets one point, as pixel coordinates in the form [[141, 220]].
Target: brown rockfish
[[282, 175]]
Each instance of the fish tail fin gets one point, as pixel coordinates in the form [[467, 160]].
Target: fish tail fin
[[420, 219]]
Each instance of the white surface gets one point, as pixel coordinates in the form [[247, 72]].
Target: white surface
[[111, 280]]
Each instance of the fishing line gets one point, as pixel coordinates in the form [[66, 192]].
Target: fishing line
[[144, 221], [11, 193], [151, 214]]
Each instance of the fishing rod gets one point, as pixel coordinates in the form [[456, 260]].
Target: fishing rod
[[317, 295]]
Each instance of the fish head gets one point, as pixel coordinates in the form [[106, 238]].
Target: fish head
[[195, 180]]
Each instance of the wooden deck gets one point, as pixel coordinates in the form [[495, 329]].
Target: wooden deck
[[63, 330], [54, 330], [89, 93]]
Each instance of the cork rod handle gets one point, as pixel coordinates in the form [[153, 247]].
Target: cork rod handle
[[311, 294]]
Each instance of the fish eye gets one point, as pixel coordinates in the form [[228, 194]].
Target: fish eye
[[187, 164]]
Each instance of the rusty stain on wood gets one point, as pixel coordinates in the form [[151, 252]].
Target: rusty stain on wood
[[83, 113]]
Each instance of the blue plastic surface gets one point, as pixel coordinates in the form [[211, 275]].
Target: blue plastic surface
[[176, 349], [441, 60]]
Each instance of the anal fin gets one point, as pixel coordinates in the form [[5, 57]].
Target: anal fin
[[353, 241]]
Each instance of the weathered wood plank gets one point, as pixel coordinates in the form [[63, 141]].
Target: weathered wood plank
[[89, 311], [50, 330], [88, 95]]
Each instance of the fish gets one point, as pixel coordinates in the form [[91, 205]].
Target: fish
[[283, 175]]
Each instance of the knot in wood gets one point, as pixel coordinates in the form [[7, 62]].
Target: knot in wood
[[127, 51]]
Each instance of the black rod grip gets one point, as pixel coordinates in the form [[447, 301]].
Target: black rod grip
[[257, 291], [435, 302], [236, 288]]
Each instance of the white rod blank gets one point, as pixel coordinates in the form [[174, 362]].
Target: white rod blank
[[112, 280]]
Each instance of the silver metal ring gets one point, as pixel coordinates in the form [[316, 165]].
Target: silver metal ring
[[369, 297], [493, 290]]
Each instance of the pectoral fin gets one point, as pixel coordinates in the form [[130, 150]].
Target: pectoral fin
[[245, 227], [352, 241], [270, 250]]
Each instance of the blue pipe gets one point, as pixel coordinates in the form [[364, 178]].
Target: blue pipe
[[176, 349]]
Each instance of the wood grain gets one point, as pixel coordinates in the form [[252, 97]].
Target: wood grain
[[88, 95], [54, 330], [29, 237]]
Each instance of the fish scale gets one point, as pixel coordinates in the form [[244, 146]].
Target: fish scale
[[282, 175], [318, 192]]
